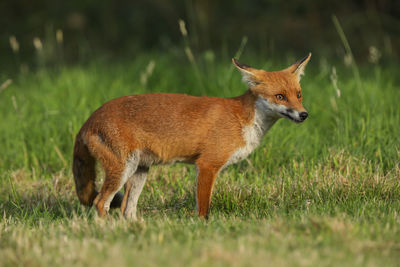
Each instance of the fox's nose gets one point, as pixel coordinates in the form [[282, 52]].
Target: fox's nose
[[303, 115]]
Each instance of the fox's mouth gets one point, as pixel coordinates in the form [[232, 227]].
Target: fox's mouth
[[291, 118]]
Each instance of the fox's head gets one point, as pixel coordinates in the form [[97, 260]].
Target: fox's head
[[278, 92]]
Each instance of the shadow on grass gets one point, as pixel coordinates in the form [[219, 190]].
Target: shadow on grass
[[45, 205], [34, 206]]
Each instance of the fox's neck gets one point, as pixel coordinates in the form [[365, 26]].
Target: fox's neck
[[256, 121], [255, 112]]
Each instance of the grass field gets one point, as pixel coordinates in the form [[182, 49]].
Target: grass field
[[322, 193]]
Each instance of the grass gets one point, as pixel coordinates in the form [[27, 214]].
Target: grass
[[323, 193]]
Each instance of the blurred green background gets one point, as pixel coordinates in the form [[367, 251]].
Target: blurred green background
[[323, 193], [77, 31]]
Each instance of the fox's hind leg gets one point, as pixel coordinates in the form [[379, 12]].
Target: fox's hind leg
[[133, 189], [117, 172], [115, 179]]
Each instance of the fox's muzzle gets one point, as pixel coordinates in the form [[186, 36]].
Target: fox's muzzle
[[295, 115], [303, 116]]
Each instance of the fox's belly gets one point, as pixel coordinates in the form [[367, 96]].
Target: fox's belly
[[148, 158]]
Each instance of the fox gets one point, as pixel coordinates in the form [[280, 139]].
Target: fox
[[128, 135]]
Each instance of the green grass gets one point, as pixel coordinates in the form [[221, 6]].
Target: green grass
[[322, 193]]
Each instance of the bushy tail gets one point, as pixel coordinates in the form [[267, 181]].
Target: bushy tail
[[84, 170], [84, 173]]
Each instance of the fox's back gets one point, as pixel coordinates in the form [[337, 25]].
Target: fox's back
[[167, 124]]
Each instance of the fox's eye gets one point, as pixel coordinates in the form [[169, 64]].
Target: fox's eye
[[298, 95], [280, 97]]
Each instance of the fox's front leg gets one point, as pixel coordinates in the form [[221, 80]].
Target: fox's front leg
[[207, 173]]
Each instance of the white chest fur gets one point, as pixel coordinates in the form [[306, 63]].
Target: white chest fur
[[254, 133]]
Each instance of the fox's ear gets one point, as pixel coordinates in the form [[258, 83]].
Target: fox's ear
[[248, 73], [298, 67]]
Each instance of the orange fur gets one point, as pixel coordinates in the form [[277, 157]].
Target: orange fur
[[137, 131]]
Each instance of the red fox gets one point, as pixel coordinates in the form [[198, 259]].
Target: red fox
[[129, 134]]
